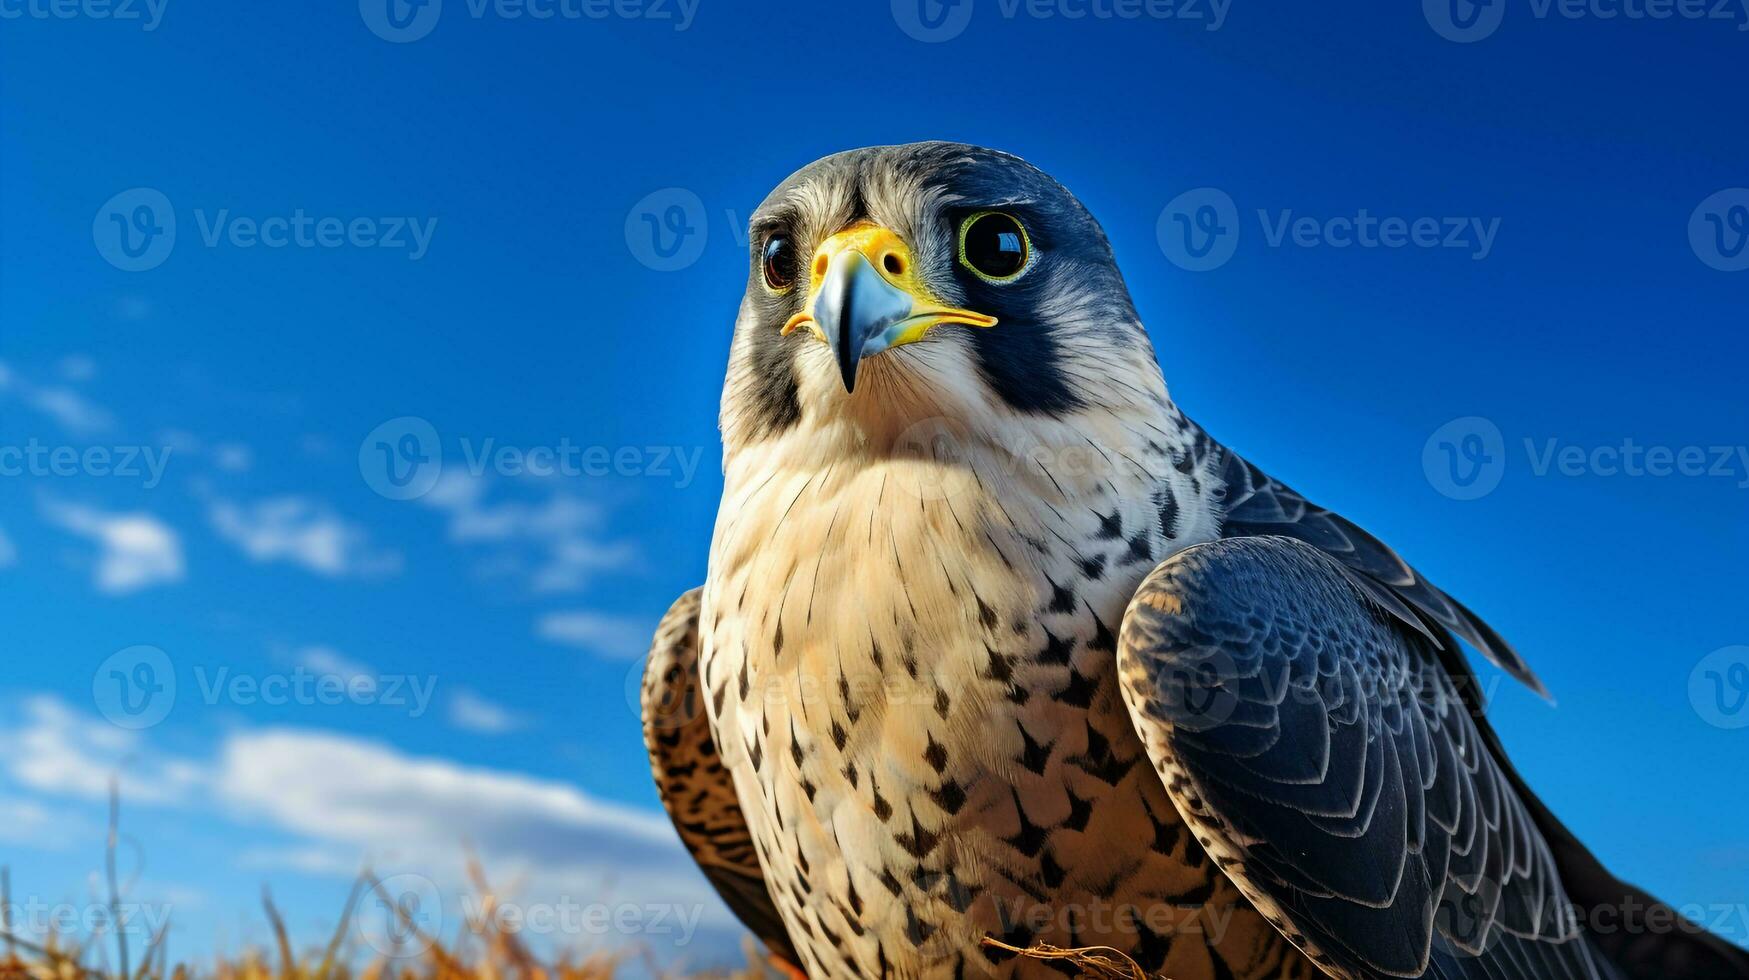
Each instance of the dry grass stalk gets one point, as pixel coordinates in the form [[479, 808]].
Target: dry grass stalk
[[1097, 962]]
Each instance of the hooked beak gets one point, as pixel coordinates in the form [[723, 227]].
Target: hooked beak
[[867, 298]]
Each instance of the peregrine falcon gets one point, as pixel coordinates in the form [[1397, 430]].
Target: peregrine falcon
[[997, 643]]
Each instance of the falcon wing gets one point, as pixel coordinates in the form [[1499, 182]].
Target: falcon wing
[[1256, 504], [695, 788], [1330, 766]]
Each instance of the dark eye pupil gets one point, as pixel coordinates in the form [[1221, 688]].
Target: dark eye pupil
[[780, 262], [995, 245]]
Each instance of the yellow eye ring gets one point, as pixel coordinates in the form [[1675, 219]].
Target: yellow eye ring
[[994, 246]]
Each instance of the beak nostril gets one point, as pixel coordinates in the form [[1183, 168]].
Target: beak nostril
[[819, 266], [893, 264]]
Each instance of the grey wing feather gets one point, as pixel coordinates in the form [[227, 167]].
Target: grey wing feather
[[1335, 773], [1256, 505], [696, 789]]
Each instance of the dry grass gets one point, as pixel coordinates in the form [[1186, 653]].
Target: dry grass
[[488, 953]]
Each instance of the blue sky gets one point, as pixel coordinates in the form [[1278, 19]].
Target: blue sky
[[516, 241]]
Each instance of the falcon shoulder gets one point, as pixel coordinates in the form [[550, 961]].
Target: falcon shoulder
[[1332, 769], [696, 789]]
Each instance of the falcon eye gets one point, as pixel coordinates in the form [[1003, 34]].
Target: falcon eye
[[994, 245], [779, 263]]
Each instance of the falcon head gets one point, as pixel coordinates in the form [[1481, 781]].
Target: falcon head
[[892, 284]]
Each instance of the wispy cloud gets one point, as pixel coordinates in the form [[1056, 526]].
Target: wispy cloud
[[329, 661], [612, 636], [473, 713], [59, 751], [135, 550], [302, 532], [30, 823], [73, 412], [233, 457], [555, 544], [78, 367]]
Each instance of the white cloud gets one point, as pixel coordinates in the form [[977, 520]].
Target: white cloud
[[471, 712], [357, 802], [327, 660], [135, 550], [78, 367], [613, 636], [344, 802], [553, 545], [302, 532], [233, 457], [59, 751], [29, 823], [71, 410]]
